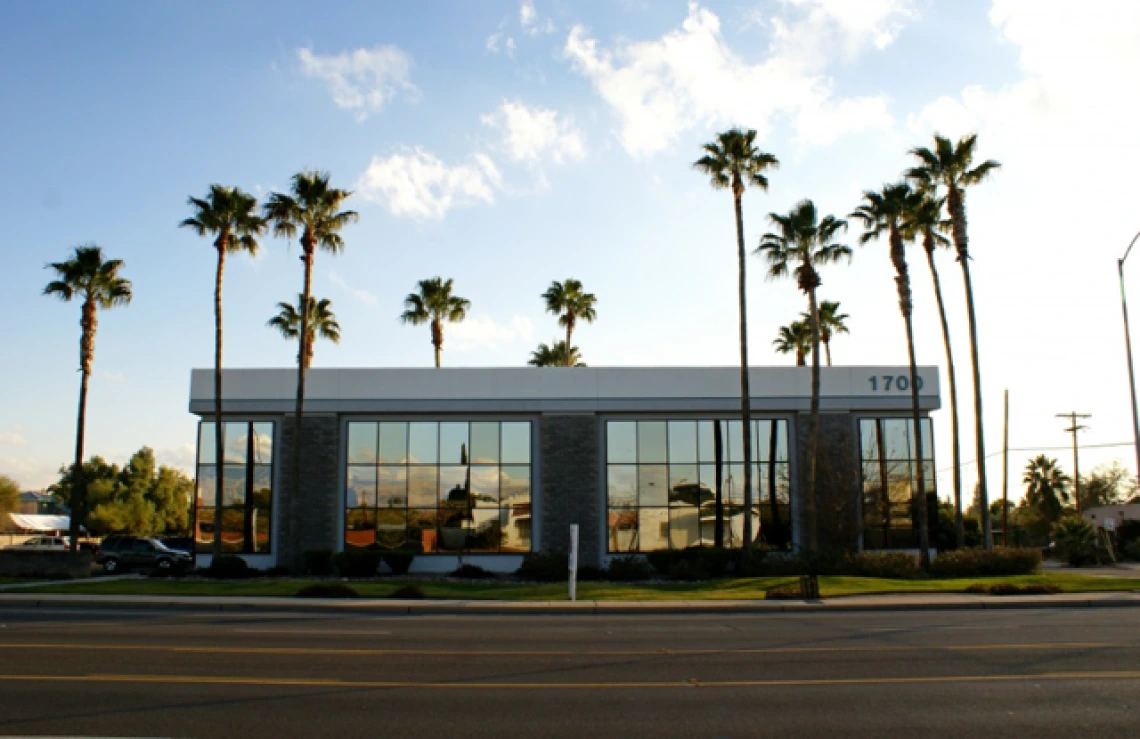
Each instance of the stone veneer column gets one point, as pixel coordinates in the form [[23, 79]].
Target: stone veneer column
[[569, 489], [307, 518], [838, 482]]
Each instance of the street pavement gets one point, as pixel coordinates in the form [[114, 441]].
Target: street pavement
[[149, 672]]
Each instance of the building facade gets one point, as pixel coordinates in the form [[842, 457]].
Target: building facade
[[490, 464]]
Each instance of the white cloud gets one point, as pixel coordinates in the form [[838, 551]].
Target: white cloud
[[499, 40], [480, 331], [417, 184], [116, 377], [530, 20], [359, 293], [14, 436], [690, 77], [362, 80], [536, 135], [179, 457], [823, 28]]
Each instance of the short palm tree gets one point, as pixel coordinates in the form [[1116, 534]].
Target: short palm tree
[[1046, 487], [925, 222], [554, 355], [951, 167], [312, 209], [321, 323], [795, 338], [801, 243], [831, 322], [96, 283], [228, 215], [433, 303], [732, 162], [570, 303], [884, 214]]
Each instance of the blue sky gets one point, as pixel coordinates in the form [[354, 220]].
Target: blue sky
[[508, 144]]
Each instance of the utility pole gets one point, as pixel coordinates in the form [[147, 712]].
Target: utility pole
[[1073, 416], [1005, 475]]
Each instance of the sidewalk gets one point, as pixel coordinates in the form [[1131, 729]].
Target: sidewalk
[[363, 606]]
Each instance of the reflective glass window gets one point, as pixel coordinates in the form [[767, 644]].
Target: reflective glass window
[[362, 443], [682, 441], [651, 446], [423, 443], [516, 443], [393, 443], [453, 441], [247, 487], [621, 442], [484, 443]]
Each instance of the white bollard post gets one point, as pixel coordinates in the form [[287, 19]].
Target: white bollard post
[[573, 561]]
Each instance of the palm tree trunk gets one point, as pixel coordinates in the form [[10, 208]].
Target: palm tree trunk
[[309, 246], [569, 334], [810, 494], [437, 340], [745, 393], [956, 451], [773, 442], [957, 207], [718, 460], [219, 441], [827, 351], [87, 322]]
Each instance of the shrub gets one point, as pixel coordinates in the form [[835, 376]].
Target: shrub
[[980, 563], [399, 562], [318, 562], [327, 590], [357, 562], [896, 565], [1076, 541], [590, 573], [472, 572], [784, 592], [1131, 550], [545, 567], [228, 567], [1003, 588], [1127, 532], [628, 569], [407, 592], [689, 569]]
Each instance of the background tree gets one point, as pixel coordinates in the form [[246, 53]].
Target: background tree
[[228, 215], [883, 214], [97, 284], [1108, 484], [805, 240], [433, 303], [312, 209], [1046, 488], [569, 302], [794, 338], [554, 355], [951, 167], [9, 497], [732, 162], [321, 323], [831, 322]]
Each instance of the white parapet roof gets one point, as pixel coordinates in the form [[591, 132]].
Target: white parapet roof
[[577, 389]]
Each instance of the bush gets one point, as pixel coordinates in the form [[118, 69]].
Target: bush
[[1012, 589], [1131, 550], [895, 565], [545, 567], [784, 592], [399, 562], [472, 572], [980, 563], [628, 569], [713, 562], [1076, 541], [357, 562], [228, 567], [1128, 532], [590, 573], [327, 590], [407, 592], [689, 569], [318, 562]]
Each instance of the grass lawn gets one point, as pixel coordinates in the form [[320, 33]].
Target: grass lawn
[[729, 589]]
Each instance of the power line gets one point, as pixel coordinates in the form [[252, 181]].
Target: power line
[[1042, 449]]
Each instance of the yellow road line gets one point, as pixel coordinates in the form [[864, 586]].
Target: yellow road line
[[336, 683], [566, 653]]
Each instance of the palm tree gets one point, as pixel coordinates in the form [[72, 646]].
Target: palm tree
[[884, 213], [952, 167], [95, 282], [733, 162], [925, 221], [311, 208], [554, 355], [227, 214], [434, 303], [567, 301], [321, 322], [1046, 487], [795, 337], [803, 239], [831, 322]]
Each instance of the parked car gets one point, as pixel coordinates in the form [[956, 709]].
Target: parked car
[[42, 543], [122, 553], [179, 543]]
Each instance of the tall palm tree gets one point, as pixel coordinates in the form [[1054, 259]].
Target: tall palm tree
[[321, 323], [806, 241], [925, 221], [554, 355], [1046, 487], [567, 301], [795, 338], [884, 214], [227, 214], [733, 162], [97, 284], [312, 209], [831, 322], [433, 303], [952, 167]]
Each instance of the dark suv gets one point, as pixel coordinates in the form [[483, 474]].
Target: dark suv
[[121, 553]]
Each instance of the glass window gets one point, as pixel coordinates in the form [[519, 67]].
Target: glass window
[[236, 441], [392, 487], [653, 529], [706, 434], [453, 443], [362, 443], [684, 486], [484, 443], [890, 484], [621, 488], [734, 436], [515, 485], [361, 487], [393, 443], [682, 441], [207, 453], [207, 485], [263, 443], [651, 446], [423, 443], [621, 442], [422, 487], [516, 443], [391, 527], [485, 486], [233, 492], [652, 485], [247, 487]]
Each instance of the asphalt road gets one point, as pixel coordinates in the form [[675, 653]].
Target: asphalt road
[[1063, 672]]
